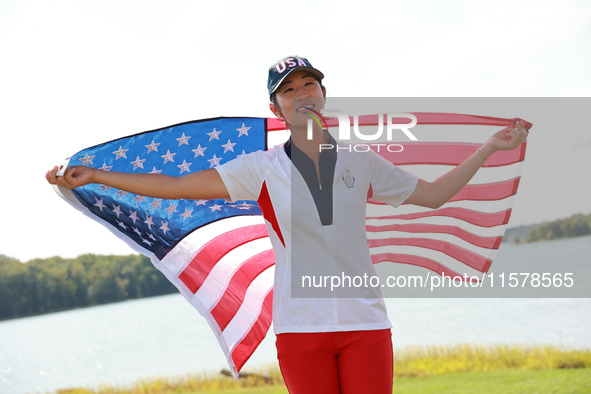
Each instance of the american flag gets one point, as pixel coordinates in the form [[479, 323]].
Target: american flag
[[218, 254]]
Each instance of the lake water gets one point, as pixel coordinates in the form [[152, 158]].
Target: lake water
[[165, 336]]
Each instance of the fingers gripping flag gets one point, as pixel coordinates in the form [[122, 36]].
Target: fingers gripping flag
[[218, 253]]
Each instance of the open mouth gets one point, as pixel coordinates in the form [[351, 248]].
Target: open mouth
[[305, 107]]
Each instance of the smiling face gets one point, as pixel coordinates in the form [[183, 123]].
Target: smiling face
[[299, 90]]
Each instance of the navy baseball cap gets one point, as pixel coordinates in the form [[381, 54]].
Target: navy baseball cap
[[284, 67]]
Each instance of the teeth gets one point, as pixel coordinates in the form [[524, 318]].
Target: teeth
[[305, 107]]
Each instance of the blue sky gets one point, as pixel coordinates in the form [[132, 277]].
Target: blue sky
[[76, 73]]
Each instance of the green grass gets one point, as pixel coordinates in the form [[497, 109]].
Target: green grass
[[450, 369], [437, 360], [548, 381]]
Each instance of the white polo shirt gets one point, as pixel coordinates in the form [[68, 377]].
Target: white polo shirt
[[310, 242]]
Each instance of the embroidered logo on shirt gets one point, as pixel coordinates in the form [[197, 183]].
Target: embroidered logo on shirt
[[349, 179]]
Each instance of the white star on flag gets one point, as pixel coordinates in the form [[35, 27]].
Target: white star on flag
[[199, 151], [139, 199], [185, 166], [152, 147], [105, 167], [243, 130], [164, 227], [117, 210], [244, 205], [133, 216], [149, 221], [187, 214], [99, 204], [214, 134], [155, 203], [168, 157], [138, 163], [87, 160], [229, 146], [121, 193], [120, 153], [215, 207], [171, 208], [184, 140], [155, 171], [122, 225], [215, 161]]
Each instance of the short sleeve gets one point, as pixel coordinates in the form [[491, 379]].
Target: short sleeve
[[390, 184], [244, 176]]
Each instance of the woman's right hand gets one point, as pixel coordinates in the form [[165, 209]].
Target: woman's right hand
[[73, 177]]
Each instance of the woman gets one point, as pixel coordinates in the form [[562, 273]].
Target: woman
[[314, 205]]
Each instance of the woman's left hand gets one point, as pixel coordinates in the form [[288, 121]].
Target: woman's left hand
[[509, 138]]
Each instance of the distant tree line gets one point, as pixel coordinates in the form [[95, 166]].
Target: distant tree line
[[54, 284], [575, 226]]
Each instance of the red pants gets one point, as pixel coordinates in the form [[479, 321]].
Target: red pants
[[348, 362]]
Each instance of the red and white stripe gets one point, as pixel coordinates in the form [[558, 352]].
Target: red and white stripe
[[463, 236], [225, 270]]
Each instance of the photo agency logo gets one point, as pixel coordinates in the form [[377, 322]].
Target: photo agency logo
[[362, 139]]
